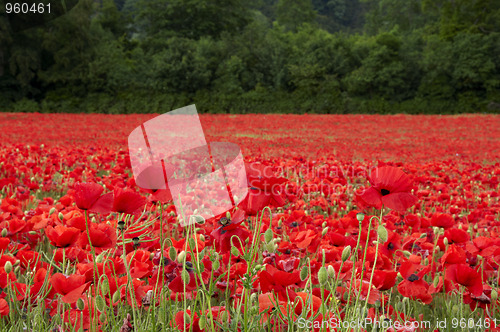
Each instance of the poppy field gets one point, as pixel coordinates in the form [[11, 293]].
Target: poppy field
[[351, 223]]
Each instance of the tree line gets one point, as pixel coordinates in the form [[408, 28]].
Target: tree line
[[257, 56]]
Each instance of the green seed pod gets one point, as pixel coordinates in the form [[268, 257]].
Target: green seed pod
[[268, 235], [360, 216], [100, 303], [191, 243], [445, 241], [52, 211], [185, 276], [102, 317], [382, 233], [5, 232], [325, 230], [235, 251], [8, 267], [304, 273], [60, 216], [406, 253], [216, 265], [187, 319], [331, 271], [202, 238], [80, 304], [435, 282], [346, 253], [99, 258], [116, 296], [323, 225], [322, 276], [181, 257], [258, 267], [422, 235], [172, 253]]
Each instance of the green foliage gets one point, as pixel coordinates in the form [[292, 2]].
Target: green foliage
[[231, 56]]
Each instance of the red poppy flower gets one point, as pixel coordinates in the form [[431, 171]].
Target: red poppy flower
[[466, 276], [103, 236], [71, 287], [4, 307], [413, 286], [88, 197], [391, 187], [128, 201], [222, 235], [61, 236]]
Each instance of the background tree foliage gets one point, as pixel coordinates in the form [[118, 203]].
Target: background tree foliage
[[323, 56]]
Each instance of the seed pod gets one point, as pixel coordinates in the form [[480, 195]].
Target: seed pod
[[268, 235], [52, 211], [304, 273], [105, 286], [102, 317], [99, 258], [202, 322], [216, 265], [422, 235], [60, 216], [406, 253], [202, 238], [494, 295], [172, 253], [325, 230], [435, 282], [382, 233], [187, 319], [346, 253], [191, 243], [360, 216], [5, 232], [80, 304], [445, 241], [322, 276]]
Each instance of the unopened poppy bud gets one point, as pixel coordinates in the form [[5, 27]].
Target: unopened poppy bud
[[494, 295], [435, 282], [17, 269], [346, 253], [185, 276], [80, 304], [323, 225], [455, 310], [216, 265], [187, 319], [422, 235], [304, 273], [325, 230], [8, 267], [235, 251], [322, 276], [406, 253], [32, 233], [60, 216], [172, 254], [228, 215], [269, 247], [5, 232], [105, 286], [382, 233], [258, 267], [268, 235], [360, 216], [280, 222], [192, 244], [52, 211], [331, 271], [202, 238], [100, 303], [225, 317], [202, 322], [181, 257], [116, 296]]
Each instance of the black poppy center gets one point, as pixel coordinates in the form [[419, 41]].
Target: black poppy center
[[390, 246], [385, 192], [413, 277]]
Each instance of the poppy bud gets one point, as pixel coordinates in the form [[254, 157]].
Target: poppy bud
[[304, 273], [435, 282], [494, 295], [322, 276], [60, 216], [406, 253], [323, 225], [105, 286], [235, 251], [102, 317], [80, 304], [269, 247], [52, 211], [116, 296], [382, 233], [268, 235], [99, 258], [202, 238], [100, 303], [445, 241], [187, 319], [360, 216], [32, 233], [8, 267], [192, 244], [172, 253], [181, 257], [202, 322], [216, 265], [258, 267], [325, 230], [185, 276], [228, 215], [422, 235], [346, 253], [5, 232], [331, 271]]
